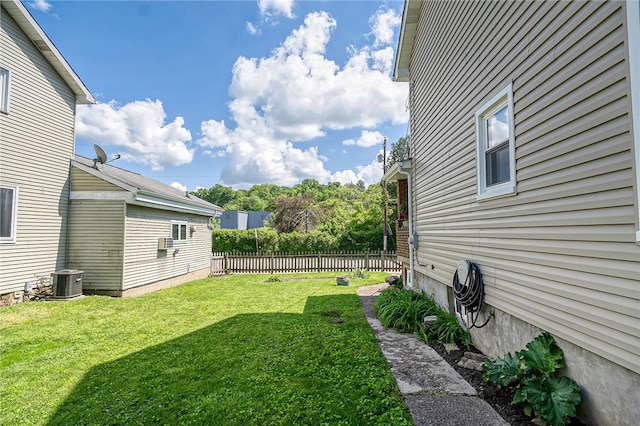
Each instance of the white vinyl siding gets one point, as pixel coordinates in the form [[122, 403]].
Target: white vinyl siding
[[41, 121], [83, 181], [8, 213], [495, 146], [145, 264], [96, 242], [562, 253], [5, 90], [633, 43]]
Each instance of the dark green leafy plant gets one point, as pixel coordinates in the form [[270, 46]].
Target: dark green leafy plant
[[503, 371], [553, 399]]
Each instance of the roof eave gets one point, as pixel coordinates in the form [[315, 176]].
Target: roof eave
[[398, 171], [163, 203], [32, 29], [147, 198], [408, 29]]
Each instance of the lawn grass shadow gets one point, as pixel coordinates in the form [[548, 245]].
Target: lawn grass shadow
[[250, 369]]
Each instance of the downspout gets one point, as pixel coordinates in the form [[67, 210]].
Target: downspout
[[66, 216], [410, 208]]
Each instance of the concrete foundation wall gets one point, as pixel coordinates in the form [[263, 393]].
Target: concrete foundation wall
[[610, 393], [434, 289], [159, 285]]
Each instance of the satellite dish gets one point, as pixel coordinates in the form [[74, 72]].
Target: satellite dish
[[101, 156]]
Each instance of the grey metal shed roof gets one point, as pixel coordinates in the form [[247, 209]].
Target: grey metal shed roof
[[143, 186]]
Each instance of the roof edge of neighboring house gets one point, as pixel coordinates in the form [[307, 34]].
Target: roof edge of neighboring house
[[150, 198], [43, 43]]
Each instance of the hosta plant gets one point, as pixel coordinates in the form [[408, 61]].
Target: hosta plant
[[551, 398]]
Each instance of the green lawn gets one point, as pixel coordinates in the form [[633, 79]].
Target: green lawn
[[233, 350]]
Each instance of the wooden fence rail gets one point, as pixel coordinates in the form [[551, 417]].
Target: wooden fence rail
[[302, 262]]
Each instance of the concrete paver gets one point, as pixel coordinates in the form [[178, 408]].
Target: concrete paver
[[434, 391]]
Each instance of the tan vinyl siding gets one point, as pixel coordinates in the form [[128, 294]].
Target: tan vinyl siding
[[83, 181], [36, 145], [145, 264], [560, 254], [96, 242]]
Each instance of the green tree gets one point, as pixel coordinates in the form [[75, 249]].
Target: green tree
[[296, 213], [219, 195], [400, 150]]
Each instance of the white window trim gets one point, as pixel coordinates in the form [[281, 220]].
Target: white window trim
[[633, 33], [505, 188], [180, 223], [14, 216], [5, 91]]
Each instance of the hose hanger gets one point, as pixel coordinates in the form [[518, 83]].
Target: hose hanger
[[470, 292]]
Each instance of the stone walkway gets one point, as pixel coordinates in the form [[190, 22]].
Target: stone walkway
[[435, 393]]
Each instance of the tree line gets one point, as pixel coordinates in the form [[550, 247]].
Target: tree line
[[310, 214]]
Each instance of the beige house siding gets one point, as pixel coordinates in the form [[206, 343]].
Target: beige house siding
[[145, 264], [83, 181], [36, 140], [96, 244], [560, 254]]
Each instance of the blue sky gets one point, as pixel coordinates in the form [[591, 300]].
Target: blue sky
[[199, 93]]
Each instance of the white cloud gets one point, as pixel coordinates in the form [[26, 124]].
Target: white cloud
[[139, 129], [269, 8], [383, 24], [41, 5], [367, 139], [253, 29], [298, 94], [369, 174], [178, 185]]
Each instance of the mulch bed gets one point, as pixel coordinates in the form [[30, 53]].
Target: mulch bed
[[499, 398]]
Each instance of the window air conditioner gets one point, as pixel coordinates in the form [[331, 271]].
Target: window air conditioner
[[165, 243]]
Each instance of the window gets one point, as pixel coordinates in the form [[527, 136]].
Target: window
[[179, 231], [5, 80], [8, 207], [495, 145]]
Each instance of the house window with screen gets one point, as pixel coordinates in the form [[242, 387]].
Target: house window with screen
[[5, 80], [8, 207], [179, 231], [495, 145]]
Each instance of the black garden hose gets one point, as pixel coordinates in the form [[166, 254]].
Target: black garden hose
[[470, 294]]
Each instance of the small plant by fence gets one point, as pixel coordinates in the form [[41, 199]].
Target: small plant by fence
[[302, 262]]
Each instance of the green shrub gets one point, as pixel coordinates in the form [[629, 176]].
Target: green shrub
[[552, 398], [360, 273], [404, 310], [446, 329], [300, 242], [270, 241]]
